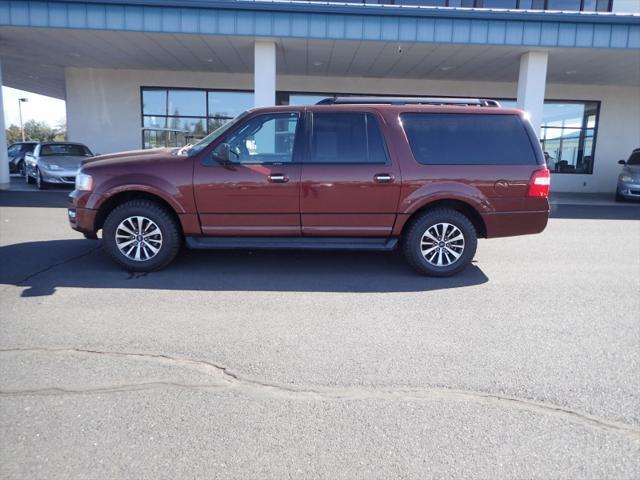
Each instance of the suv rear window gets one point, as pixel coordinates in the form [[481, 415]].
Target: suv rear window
[[346, 138], [463, 139]]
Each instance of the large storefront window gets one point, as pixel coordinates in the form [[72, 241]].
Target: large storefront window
[[176, 117], [568, 136]]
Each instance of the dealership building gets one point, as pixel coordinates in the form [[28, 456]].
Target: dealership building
[[148, 73]]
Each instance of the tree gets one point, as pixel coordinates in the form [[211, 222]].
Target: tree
[[33, 130], [13, 134]]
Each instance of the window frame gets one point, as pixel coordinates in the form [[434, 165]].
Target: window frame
[[296, 152], [206, 118], [582, 137], [365, 113]]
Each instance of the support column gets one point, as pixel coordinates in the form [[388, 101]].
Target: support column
[[264, 87], [4, 159], [531, 86]]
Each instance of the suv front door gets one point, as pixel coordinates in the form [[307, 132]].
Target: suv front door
[[250, 184], [349, 185]]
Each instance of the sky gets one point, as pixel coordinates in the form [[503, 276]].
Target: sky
[[38, 107]]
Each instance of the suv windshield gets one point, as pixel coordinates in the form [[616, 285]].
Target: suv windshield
[[206, 141], [65, 149]]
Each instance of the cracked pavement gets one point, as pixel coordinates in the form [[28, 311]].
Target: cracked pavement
[[322, 365]]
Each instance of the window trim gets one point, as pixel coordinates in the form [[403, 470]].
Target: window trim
[[206, 118], [365, 113], [207, 161], [595, 133]]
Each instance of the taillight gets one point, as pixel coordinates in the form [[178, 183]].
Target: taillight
[[539, 184]]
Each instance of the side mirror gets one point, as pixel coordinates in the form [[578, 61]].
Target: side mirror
[[622, 162], [223, 152]]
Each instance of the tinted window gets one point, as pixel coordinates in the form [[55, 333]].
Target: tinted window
[[65, 149], [477, 139], [346, 138]]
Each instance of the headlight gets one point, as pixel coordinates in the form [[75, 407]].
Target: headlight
[[52, 166], [625, 178], [84, 182]]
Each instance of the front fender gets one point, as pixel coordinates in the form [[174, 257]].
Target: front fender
[[151, 184], [429, 193]]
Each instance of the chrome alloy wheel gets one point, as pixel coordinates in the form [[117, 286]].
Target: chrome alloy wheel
[[138, 238], [442, 244]]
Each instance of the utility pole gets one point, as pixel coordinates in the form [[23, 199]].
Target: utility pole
[[20, 100]]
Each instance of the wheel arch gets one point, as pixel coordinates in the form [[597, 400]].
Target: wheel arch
[[124, 196], [454, 204]]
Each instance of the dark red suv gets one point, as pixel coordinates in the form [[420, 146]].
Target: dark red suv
[[428, 175]]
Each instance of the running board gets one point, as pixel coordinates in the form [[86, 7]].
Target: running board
[[299, 243]]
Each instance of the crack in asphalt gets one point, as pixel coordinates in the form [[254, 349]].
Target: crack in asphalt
[[249, 386], [20, 283]]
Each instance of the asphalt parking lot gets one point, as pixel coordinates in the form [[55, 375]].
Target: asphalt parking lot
[[320, 364]]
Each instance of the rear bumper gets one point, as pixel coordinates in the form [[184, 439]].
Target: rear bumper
[[508, 224]]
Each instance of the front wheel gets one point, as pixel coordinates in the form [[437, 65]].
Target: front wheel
[[141, 236], [40, 183], [441, 242], [28, 178], [20, 168]]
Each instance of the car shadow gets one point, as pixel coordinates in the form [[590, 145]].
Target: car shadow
[[42, 267], [38, 198]]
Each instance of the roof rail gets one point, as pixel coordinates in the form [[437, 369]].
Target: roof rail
[[471, 102]]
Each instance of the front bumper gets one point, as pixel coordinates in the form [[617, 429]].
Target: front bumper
[[64, 177], [82, 211], [629, 190]]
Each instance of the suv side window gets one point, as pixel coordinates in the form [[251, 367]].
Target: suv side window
[[468, 139], [264, 139], [346, 138]]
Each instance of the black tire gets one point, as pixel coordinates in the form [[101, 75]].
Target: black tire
[[412, 241], [28, 179], [619, 198], [20, 168], [171, 235], [40, 183]]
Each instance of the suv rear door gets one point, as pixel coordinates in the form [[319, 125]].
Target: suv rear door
[[257, 192], [349, 184]]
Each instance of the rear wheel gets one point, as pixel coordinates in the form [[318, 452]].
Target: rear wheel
[[141, 236], [441, 242]]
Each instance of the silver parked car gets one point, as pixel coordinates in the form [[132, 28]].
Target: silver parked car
[[629, 178], [55, 162]]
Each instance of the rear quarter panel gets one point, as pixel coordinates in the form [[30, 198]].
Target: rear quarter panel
[[489, 189]]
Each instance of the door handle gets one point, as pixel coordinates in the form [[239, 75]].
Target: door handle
[[278, 178], [383, 178]]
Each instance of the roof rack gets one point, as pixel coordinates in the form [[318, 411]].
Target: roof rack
[[470, 102]]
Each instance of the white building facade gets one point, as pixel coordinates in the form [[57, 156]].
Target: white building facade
[[142, 74]]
